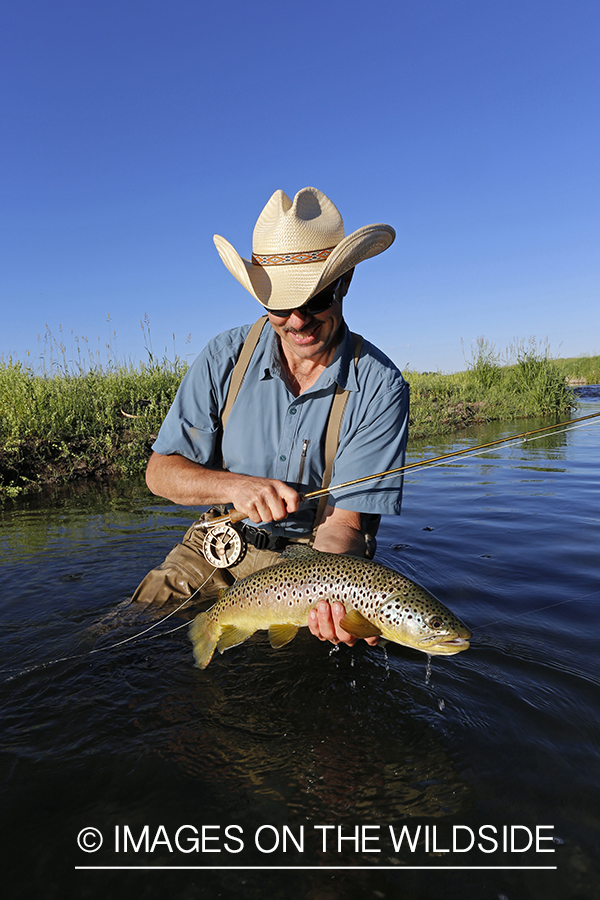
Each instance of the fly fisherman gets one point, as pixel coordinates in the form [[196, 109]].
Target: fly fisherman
[[308, 405]]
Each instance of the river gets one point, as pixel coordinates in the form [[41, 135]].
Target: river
[[310, 772]]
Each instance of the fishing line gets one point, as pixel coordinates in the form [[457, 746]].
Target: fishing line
[[517, 440], [133, 637], [530, 612], [234, 516], [512, 441], [474, 450]]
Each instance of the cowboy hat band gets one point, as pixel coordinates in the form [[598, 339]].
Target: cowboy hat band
[[298, 248]]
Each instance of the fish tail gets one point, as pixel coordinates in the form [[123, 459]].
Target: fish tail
[[204, 634]]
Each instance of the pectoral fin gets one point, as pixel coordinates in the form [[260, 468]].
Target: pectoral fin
[[232, 636], [355, 623], [280, 635]]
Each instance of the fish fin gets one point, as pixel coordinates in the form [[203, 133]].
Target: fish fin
[[204, 634], [232, 636], [280, 635], [297, 551], [355, 623]]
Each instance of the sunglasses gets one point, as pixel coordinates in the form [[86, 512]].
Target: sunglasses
[[317, 304]]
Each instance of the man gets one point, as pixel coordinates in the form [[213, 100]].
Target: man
[[272, 447]]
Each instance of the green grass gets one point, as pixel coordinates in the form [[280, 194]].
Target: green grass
[[584, 369], [77, 418], [527, 383]]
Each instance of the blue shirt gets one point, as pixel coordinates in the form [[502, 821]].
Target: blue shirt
[[274, 434]]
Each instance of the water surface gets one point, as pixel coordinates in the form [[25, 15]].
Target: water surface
[[506, 735]]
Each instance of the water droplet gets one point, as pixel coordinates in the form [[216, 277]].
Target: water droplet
[[428, 669], [386, 659], [441, 705]]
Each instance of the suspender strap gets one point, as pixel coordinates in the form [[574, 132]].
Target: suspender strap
[[336, 413], [241, 365], [332, 434]]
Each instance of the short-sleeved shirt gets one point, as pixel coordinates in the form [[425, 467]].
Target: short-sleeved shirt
[[274, 434]]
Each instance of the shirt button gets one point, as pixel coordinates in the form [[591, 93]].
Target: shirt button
[[282, 458], [293, 411]]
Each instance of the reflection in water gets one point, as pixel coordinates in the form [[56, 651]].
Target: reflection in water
[[324, 750]]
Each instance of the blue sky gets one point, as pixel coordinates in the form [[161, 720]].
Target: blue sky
[[134, 131]]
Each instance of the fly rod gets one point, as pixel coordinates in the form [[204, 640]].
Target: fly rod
[[234, 516]]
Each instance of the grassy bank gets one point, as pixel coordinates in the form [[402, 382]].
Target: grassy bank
[[69, 423], [582, 370], [524, 382], [61, 427]]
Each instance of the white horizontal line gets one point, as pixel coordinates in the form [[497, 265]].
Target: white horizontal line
[[397, 868]]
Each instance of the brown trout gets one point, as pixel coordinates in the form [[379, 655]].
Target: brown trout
[[378, 601]]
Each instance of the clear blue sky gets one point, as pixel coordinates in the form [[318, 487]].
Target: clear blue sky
[[132, 131]]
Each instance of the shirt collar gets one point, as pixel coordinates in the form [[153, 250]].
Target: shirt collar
[[341, 369]]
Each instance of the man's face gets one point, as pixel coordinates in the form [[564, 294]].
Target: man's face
[[305, 335]]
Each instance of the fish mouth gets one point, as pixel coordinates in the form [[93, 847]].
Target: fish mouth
[[446, 647]]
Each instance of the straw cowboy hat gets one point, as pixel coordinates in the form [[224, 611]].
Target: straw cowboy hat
[[299, 247]]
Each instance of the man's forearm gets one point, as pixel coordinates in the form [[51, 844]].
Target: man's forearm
[[191, 484], [340, 532], [186, 482]]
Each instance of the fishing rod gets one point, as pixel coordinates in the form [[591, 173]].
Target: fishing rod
[[234, 516]]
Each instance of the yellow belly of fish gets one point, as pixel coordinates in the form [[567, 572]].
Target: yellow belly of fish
[[229, 626]]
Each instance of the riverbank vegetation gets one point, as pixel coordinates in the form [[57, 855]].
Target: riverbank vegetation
[[73, 421]]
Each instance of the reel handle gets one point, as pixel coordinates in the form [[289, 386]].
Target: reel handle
[[235, 516]]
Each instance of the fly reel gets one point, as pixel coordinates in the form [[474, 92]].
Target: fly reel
[[223, 546]]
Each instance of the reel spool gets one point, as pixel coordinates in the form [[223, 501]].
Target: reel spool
[[223, 546]]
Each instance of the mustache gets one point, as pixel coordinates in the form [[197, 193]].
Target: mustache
[[306, 329]]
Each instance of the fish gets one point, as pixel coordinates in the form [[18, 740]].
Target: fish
[[378, 601]]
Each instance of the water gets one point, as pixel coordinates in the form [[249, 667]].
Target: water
[[267, 755]]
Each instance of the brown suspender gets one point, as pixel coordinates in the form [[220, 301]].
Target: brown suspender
[[332, 433], [336, 413], [241, 365]]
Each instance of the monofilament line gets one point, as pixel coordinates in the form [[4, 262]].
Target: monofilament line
[[134, 637]]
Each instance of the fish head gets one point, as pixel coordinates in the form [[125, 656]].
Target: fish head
[[414, 618]]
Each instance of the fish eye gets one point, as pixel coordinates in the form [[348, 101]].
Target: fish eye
[[436, 622]]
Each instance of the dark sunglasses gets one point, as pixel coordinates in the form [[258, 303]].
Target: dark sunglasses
[[317, 304]]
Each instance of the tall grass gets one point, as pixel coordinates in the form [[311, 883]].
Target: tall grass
[[526, 382], [73, 416], [582, 369]]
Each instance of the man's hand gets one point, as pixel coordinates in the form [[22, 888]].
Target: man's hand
[[324, 623], [263, 499], [339, 532], [184, 481]]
